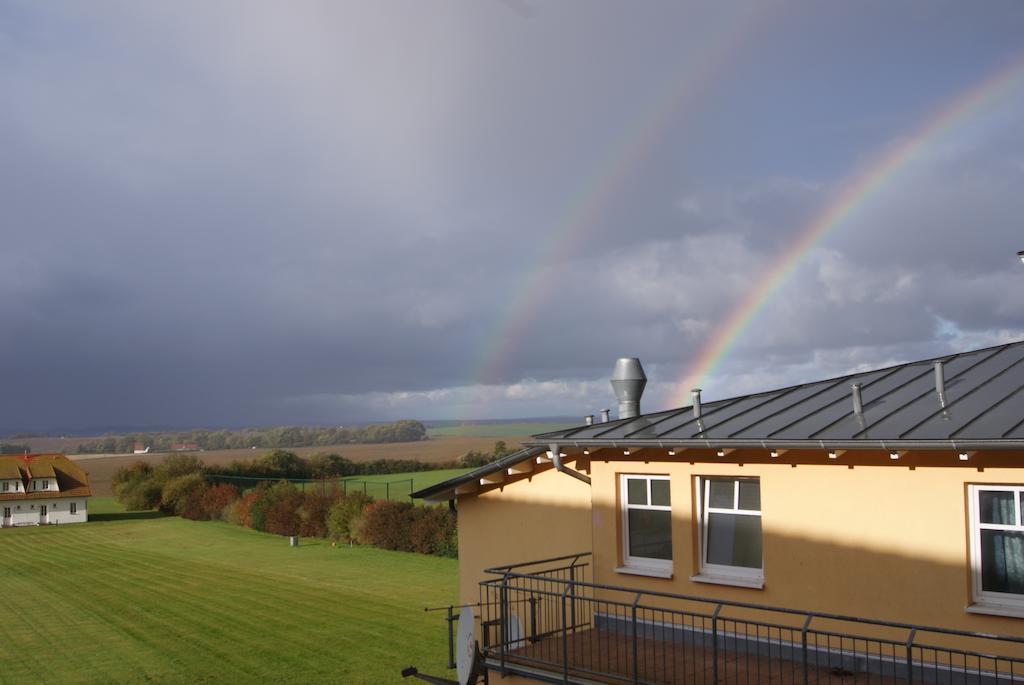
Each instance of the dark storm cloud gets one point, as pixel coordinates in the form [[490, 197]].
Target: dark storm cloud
[[250, 213]]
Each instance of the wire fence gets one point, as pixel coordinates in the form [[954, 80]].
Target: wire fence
[[399, 490]]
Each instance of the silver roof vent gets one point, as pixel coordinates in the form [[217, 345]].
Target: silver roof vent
[[628, 382], [606, 415], [940, 383], [589, 418], [695, 401], [858, 403]]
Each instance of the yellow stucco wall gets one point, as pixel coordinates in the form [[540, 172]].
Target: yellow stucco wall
[[544, 515], [879, 539], [860, 535]]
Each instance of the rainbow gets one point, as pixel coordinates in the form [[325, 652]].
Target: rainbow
[[851, 197], [599, 187]]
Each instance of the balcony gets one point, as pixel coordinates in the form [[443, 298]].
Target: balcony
[[546, 620]]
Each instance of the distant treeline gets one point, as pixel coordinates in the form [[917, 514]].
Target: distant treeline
[[282, 437], [284, 464], [12, 448]]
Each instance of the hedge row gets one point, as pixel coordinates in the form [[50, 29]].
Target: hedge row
[[178, 486]]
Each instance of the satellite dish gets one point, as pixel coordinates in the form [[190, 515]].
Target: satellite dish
[[467, 663], [514, 632]]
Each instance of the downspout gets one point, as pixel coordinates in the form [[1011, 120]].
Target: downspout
[[556, 459]]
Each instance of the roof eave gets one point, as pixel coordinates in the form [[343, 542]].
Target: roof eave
[[432, 493], [733, 443]]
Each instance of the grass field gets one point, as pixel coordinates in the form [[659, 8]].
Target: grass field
[[102, 467], [393, 486], [400, 484], [139, 598]]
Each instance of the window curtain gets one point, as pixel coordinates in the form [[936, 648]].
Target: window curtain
[[1002, 566]]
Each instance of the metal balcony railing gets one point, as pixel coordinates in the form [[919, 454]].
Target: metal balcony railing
[[548, 621]]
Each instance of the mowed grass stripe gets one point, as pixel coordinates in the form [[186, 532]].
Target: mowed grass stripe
[[166, 587], [174, 601], [146, 630]]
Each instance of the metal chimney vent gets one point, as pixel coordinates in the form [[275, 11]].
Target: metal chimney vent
[[940, 383], [589, 418], [695, 396], [628, 382], [858, 403], [606, 415]]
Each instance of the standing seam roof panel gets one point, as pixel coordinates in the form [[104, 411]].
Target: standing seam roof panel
[[909, 416]]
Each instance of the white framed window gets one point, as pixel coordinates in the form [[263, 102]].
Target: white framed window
[[997, 546], [74, 507], [646, 522], [731, 542], [7, 485]]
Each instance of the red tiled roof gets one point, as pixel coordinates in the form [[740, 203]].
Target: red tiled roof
[[72, 481]]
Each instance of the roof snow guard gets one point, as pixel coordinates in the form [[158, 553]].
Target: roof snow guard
[[977, 405]]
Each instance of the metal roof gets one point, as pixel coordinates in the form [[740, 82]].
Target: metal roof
[[982, 408]]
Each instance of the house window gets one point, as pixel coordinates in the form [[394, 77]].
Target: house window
[[730, 530], [7, 485], [646, 522], [74, 507], [997, 545]]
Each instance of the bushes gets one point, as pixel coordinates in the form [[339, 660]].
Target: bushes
[[179, 486], [343, 514], [216, 499], [408, 528]]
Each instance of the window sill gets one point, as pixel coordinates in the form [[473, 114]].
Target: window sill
[[640, 571], [995, 610], [752, 583]]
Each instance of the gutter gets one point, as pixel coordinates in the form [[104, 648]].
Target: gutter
[[888, 445], [556, 459]]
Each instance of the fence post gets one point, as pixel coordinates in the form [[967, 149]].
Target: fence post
[[451, 637], [636, 643], [503, 617], [364, 487], [533, 618], [572, 602], [803, 643], [565, 637], [910, 656], [387, 490], [411, 498], [714, 643]]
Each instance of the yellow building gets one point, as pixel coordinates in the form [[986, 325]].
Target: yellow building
[[864, 529]]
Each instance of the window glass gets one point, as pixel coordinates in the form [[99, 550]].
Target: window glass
[[721, 493], [997, 506], [734, 540], [637, 488], [731, 527], [650, 533], [659, 493], [1002, 561], [750, 495], [647, 522]]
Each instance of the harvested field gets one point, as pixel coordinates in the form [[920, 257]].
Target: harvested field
[[101, 467]]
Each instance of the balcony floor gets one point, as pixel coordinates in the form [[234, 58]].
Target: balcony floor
[[605, 657]]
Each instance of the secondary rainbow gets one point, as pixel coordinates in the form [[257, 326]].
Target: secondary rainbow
[[853, 195], [601, 186]]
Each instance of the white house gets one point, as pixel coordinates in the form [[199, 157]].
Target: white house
[[41, 489]]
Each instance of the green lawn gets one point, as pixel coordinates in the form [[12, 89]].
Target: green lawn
[[399, 487], [140, 598]]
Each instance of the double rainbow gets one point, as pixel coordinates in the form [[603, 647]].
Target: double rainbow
[[680, 96], [862, 187]]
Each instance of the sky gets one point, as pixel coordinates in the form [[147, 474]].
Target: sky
[[258, 213]]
